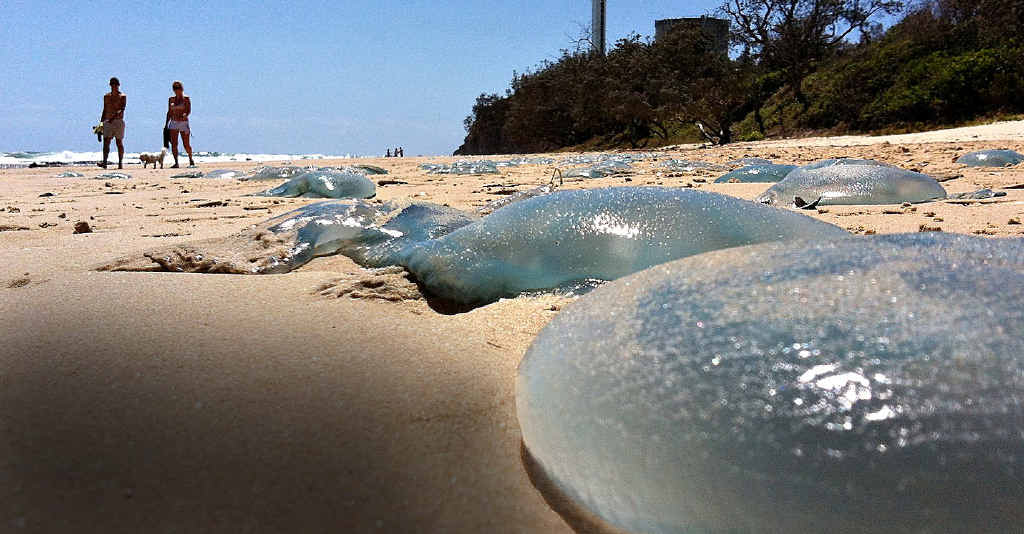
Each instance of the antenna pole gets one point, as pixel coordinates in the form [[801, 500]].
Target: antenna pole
[[599, 26]]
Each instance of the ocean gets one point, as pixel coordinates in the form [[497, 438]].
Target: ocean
[[70, 157]]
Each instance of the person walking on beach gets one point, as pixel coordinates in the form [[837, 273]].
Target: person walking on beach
[[113, 121], [179, 107]]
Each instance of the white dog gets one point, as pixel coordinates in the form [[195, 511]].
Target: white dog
[[153, 158]]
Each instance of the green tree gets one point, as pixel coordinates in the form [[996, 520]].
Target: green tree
[[700, 85], [794, 36], [484, 125]]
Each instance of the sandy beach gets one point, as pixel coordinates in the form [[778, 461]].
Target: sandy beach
[[313, 401]]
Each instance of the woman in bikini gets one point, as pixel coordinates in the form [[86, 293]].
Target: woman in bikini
[[179, 107]]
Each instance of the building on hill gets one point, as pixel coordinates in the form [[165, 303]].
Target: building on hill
[[716, 30]]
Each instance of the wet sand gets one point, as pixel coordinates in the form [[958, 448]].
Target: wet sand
[[162, 402]]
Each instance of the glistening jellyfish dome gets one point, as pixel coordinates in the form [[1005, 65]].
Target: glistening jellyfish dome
[[866, 385]]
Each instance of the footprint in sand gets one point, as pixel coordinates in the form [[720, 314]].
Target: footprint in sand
[[19, 282], [388, 283]]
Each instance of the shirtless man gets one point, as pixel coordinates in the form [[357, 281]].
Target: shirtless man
[[113, 121], [179, 107]]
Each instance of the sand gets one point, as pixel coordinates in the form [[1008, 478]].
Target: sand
[[331, 399]]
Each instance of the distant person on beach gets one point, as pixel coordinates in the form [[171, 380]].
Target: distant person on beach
[[388, 153], [179, 107], [113, 121], [401, 152]]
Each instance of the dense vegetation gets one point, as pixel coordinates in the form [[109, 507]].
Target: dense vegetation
[[800, 70]]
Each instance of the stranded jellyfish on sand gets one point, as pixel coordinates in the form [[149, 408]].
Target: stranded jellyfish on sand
[[767, 173], [539, 243], [325, 183], [858, 386], [991, 158], [850, 181]]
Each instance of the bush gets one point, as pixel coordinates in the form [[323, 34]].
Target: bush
[[947, 88]]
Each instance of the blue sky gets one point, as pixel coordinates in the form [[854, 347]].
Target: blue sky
[[290, 77]]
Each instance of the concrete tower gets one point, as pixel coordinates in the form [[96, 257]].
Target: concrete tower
[[598, 27]]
